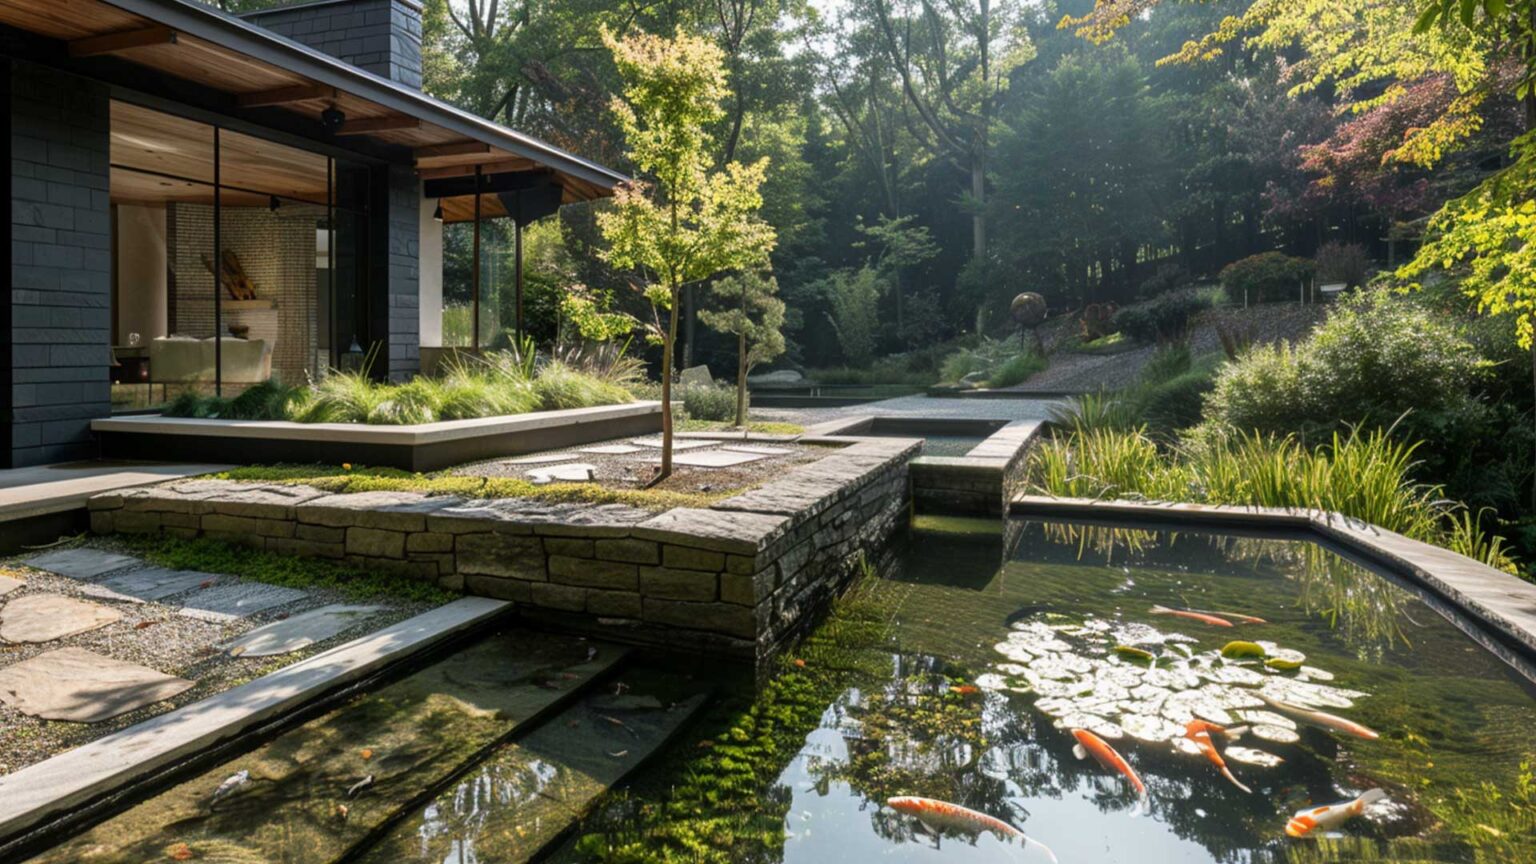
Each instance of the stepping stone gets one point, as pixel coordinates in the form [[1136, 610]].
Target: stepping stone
[[712, 459], [612, 449], [7, 585], [224, 603], [81, 563], [677, 443], [759, 449], [82, 686], [46, 617], [300, 631], [576, 472], [539, 459], [152, 583]]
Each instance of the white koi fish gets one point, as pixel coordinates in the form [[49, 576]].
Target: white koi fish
[[1321, 718], [944, 816], [1330, 816], [232, 784]]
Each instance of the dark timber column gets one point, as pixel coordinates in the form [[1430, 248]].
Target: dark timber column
[[57, 319]]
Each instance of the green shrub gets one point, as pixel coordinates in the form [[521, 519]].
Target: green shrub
[[1167, 362], [960, 364], [709, 402], [1266, 277], [1378, 360], [1176, 403], [1164, 319], [1167, 278], [1343, 262], [267, 400], [1017, 369]]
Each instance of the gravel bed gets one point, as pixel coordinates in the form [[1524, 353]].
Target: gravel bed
[[152, 634], [632, 471]]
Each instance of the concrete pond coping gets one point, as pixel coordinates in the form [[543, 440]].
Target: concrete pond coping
[[1502, 604], [63, 784]]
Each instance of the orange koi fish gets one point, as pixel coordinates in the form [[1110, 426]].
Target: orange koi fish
[[1193, 616], [1322, 718], [1089, 743], [944, 816], [1330, 815], [1239, 617], [1199, 731]]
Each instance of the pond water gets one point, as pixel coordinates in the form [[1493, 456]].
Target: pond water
[[961, 682], [1040, 633]]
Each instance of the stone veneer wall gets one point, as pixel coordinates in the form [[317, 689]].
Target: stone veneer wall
[[277, 252], [984, 481], [738, 577]]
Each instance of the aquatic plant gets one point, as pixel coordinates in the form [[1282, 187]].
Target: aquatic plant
[[1362, 474]]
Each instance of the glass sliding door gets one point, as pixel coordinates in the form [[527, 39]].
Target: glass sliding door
[[236, 259]]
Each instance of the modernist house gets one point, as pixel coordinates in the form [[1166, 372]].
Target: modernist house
[[204, 200]]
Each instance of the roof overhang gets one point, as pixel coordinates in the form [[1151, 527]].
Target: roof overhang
[[261, 69]]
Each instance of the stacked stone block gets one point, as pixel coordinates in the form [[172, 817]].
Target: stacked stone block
[[740, 576]]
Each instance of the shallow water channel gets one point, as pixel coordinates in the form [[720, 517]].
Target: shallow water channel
[[996, 646]]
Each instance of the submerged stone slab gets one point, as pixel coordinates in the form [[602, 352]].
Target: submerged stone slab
[[300, 631], [81, 563], [759, 449], [83, 687], [46, 617], [154, 583], [230, 602], [677, 443], [7, 585], [612, 449], [712, 459]]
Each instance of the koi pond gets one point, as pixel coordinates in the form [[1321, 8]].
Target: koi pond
[[1221, 692]]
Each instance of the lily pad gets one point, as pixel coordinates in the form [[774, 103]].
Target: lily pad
[[1237, 649], [1250, 756]]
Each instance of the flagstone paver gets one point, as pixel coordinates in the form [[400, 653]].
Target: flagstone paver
[[677, 443], [712, 459], [7, 585], [291, 634], [82, 563], [82, 686], [539, 459], [151, 583], [612, 449], [576, 472], [232, 601], [759, 449], [46, 617]]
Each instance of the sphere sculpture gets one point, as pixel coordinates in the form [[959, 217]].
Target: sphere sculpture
[[1028, 310]]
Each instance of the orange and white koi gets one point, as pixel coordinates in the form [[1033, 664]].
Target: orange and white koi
[[1091, 744], [944, 816], [1199, 731], [1321, 718], [1202, 617], [1330, 815]]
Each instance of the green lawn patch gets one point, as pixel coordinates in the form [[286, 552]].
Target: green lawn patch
[[763, 428], [213, 556]]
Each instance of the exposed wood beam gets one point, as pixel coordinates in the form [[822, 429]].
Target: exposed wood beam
[[285, 95], [465, 170], [452, 148], [366, 125], [110, 43]]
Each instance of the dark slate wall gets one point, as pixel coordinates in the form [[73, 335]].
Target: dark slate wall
[[60, 268], [398, 253], [381, 36]]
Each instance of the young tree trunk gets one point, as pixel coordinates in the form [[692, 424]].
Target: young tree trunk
[[741, 380], [668, 345], [979, 220]]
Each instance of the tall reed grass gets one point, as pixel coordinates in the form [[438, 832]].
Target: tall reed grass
[[1363, 475]]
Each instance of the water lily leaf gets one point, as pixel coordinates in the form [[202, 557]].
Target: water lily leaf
[[1250, 756], [1237, 649]]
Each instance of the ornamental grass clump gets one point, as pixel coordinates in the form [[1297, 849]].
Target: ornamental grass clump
[[1365, 475], [560, 386]]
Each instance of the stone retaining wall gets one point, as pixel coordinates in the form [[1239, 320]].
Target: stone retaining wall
[[738, 576], [983, 481]]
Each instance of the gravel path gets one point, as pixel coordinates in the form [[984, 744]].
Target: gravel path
[[151, 634]]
